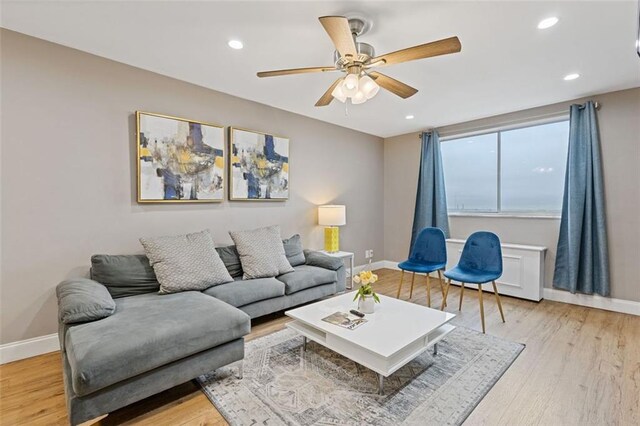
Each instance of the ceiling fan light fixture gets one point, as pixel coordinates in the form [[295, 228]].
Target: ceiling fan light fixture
[[368, 86], [358, 98], [350, 85], [338, 93]]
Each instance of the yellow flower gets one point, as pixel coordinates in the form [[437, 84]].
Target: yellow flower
[[365, 281], [356, 279], [374, 278]]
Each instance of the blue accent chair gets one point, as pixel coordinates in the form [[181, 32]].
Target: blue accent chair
[[480, 263], [428, 254]]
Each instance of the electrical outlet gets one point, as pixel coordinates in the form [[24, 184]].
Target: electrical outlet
[[368, 254]]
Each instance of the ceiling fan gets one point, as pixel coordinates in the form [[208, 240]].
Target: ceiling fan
[[356, 60]]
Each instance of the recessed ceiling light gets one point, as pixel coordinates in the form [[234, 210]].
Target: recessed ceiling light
[[409, 117], [547, 23], [235, 44], [570, 77]]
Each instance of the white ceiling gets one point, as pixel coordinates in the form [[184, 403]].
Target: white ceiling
[[506, 63]]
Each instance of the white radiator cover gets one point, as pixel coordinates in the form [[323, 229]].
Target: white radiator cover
[[523, 269]]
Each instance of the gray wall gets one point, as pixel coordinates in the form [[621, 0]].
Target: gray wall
[[68, 172], [619, 120]]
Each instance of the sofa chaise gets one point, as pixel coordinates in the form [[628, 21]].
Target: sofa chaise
[[152, 342]]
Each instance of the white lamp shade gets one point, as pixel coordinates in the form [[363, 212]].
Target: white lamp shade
[[358, 98], [368, 86], [350, 85], [332, 215], [338, 93]]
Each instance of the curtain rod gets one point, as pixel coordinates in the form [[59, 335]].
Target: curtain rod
[[596, 105]]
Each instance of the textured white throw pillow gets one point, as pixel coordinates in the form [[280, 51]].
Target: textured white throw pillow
[[261, 252], [185, 262]]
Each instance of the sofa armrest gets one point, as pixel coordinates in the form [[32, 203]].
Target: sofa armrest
[[321, 260], [82, 300]]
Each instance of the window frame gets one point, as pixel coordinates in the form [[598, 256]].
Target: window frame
[[548, 214]]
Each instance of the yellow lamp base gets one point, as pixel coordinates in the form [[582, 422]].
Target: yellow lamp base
[[332, 239]]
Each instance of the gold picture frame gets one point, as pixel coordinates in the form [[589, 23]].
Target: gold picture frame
[[186, 164], [258, 167]]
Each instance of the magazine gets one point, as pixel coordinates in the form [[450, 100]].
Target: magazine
[[345, 320]]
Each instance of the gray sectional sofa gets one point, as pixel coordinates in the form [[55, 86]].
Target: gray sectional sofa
[[152, 342]]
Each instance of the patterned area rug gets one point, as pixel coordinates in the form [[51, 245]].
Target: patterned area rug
[[283, 385]]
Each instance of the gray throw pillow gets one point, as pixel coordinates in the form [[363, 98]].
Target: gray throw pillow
[[185, 262], [294, 251], [321, 260], [124, 275], [231, 259], [82, 300], [261, 252]]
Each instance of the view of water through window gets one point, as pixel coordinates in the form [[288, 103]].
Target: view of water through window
[[519, 170]]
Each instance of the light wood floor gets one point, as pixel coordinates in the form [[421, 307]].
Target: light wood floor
[[581, 366]]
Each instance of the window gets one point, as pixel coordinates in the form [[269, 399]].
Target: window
[[508, 171]]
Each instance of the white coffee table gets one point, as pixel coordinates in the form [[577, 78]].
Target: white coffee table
[[395, 334]]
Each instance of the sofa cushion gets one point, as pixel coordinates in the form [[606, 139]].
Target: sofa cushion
[[146, 332], [231, 260], [185, 262], [124, 275], [243, 292], [261, 252], [82, 300], [306, 276], [294, 251]]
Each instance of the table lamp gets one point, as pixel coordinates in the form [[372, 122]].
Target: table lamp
[[332, 216]]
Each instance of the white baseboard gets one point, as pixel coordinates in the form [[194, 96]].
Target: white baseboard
[[390, 264], [593, 301], [374, 265], [15, 351]]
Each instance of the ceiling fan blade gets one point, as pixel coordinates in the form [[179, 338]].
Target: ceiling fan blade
[[338, 29], [328, 97], [427, 50], [394, 86], [295, 71]]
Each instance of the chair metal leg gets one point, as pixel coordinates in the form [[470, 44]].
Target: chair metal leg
[[400, 286], [444, 298], [481, 306], [413, 278], [461, 294], [428, 291], [495, 291], [441, 285]]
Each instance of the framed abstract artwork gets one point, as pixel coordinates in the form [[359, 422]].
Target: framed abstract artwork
[[179, 160], [258, 166]]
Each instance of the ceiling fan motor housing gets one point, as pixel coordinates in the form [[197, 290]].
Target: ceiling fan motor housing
[[365, 53]]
